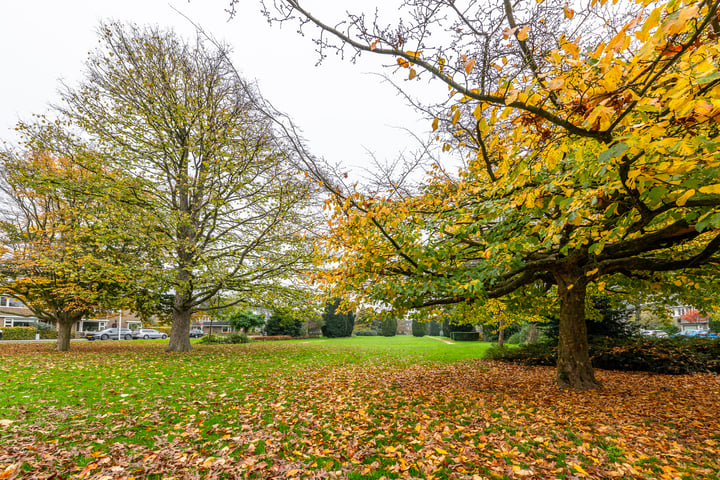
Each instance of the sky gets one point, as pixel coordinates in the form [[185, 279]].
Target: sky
[[344, 110]]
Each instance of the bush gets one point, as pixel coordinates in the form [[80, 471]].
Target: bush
[[366, 333], [277, 325], [232, 338], [337, 323], [19, 333], [41, 326], [237, 338], [465, 336], [389, 327], [269, 338], [535, 354], [418, 328], [666, 355], [714, 324], [48, 334], [450, 327], [658, 355], [433, 329]]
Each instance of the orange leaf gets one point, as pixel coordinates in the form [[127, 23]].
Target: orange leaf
[[469, 65], [522, 35]]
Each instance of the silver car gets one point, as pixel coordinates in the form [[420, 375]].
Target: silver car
[[110, 334], [147, 333]]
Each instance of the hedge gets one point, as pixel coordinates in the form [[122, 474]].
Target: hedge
[[465, 336], [664, 355], [19, 333], [366, 333], [273, 337], [48, 334]]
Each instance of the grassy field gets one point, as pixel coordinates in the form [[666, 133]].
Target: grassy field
[[364, 407]]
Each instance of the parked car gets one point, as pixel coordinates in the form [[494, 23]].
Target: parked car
[[110, 334], [653, 333], [693, 334], [147, 333], [707, 334], [196, 333]]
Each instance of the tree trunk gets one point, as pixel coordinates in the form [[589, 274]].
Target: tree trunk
[[574, 369], [533, 334], [501, 334], [64, 334], [180, 332]]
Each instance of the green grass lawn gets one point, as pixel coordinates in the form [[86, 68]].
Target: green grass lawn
[[362, 407]]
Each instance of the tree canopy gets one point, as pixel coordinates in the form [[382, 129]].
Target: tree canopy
[[220, 208], [52, 256], [589, 145]]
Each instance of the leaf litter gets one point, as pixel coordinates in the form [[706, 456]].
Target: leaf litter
[[317, 411]]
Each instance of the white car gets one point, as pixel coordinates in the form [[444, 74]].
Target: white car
[[653, 333]]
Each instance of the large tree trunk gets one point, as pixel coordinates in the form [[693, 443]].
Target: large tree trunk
[[64, 334], [180, 332], [574, 369]]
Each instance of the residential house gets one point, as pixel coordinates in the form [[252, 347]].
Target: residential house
[[688, 318], [14, 313]]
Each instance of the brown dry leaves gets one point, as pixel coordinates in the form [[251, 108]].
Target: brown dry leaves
[[303, 411]]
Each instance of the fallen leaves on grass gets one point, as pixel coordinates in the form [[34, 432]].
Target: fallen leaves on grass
[[316, 411]]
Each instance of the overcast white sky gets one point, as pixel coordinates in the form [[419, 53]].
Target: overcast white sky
[[342, 108]]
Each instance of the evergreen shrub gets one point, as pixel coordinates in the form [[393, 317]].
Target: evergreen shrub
[[337, 323], [18, 333], [366, 333], [389, 327], [277, 325], [658, 355], [418, 328], [465, 336]]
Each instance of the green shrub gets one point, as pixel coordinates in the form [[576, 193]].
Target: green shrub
[[19, 333], [714, 323], [337, 323], [535, 354], [433, 329], [41, 326], [449, 327], [658, 355], [418, 328], [465, 336], [389, 327], [237, 338], [366, 333], [283, 325], [48, 334]]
